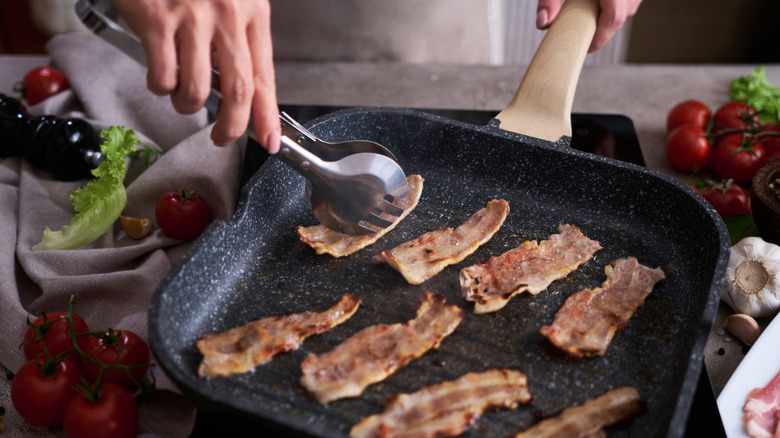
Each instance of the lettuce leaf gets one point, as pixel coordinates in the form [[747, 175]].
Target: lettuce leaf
[[756, 90], [98, 204]]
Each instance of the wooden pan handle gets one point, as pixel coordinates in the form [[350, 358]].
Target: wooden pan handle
[[541, 107]]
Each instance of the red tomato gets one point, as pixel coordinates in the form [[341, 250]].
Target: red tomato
[[728, 198], [121, 347], [181, 214], [111, 414], [734, 115], [688, 112], [688, 148], [771, 140], [770, 158], [41, 389], [42, 82], [738, 157], [51, 330]]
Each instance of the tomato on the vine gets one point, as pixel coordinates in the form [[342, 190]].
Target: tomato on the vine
[[688, 148], [41, 83], [120, 347], [733, 115], [769, 135], [688, 112], [52, 330], [727, 198], [108, 411], [42, 388], [182, 214], [737, 156]]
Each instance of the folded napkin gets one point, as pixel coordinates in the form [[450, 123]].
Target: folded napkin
[[115, 277]]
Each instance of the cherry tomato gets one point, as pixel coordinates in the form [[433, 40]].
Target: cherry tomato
[[688, 112], [51, 330], [41, 83], [42, 388], [111, 412], [771, 158], [738, 157], [733, 115], [728, 199], [688, 148], [771, 140], [121, 347], [181, 214]]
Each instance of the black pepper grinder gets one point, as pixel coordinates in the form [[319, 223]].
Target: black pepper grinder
[[67, 148]]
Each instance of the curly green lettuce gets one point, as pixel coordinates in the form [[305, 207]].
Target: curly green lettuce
[[98, 204], [756, 90]]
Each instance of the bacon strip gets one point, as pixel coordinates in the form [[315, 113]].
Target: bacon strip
[[530, 267], [240, 349], [761, 412], [422, 258], [376, 352], [326, 241], [590, 418], [586, 323], [447, 408]]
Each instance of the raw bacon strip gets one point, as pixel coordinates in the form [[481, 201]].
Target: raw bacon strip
[[240, 349], [586, 323], [447, 408], [374, 353], [326, 241], [761, 412], [590, 418], [530, 267], [422, 258]]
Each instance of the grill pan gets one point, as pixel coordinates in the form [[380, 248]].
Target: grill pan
[[254, 266]]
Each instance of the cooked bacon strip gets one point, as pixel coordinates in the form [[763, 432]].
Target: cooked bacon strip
[[326, 241], [374, 353], [422, 258], [240, 349], [761, 412], [447, 408], [530, 267], [590, 418], [586, 323]]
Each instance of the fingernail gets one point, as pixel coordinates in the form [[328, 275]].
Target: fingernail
[[273, 142], [541, 18]]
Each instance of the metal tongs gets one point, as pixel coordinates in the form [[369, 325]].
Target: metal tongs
[[355, 187]]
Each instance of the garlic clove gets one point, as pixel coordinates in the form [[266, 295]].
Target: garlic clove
[[743, 327], [134, 227]]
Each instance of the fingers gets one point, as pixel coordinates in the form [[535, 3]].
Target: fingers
[[194, 48], [181, 36], [546, 11], [161, 59], [236, 72], [612, 16], [265, 109]]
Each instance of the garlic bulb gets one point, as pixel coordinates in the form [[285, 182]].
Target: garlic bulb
[[752, 282]]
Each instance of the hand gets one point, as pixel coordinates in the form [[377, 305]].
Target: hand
[[183, 39], [612, 15]]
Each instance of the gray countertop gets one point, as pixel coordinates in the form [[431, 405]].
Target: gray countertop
[[644, 93]]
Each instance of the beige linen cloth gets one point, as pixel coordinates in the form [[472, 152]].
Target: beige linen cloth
[[115, 277]]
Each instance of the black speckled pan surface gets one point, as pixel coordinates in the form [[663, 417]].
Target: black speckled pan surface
[[254, 266]]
